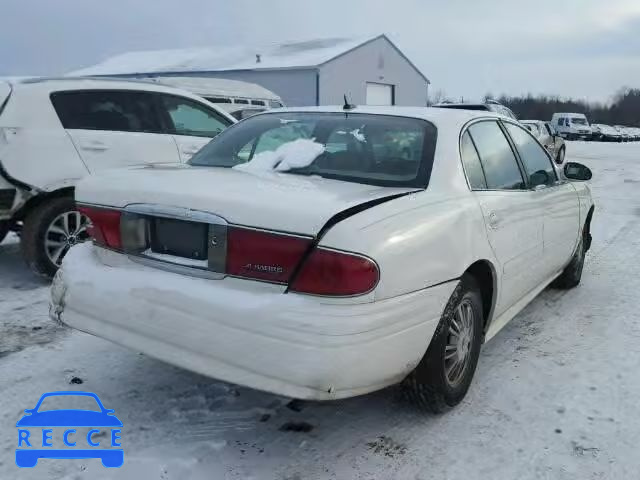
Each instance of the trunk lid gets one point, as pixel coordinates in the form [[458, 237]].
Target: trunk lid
[[270, 200]]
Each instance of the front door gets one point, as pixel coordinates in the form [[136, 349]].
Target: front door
[[192, 124], [556, 197]]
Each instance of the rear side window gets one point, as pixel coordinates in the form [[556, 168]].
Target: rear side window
[[113, 110], [536, 161], [471, 162], [498, 160], [190, 118]]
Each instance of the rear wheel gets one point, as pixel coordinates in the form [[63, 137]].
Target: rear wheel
[[444, 374], [48, 233]]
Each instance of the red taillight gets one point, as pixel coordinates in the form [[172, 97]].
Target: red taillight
[[105, 226], [263, 255], [334, 273]]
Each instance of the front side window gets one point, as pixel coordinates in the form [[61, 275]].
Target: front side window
[[190, 118], [536, 162], [361, 148], [498, 160], [113, 110]]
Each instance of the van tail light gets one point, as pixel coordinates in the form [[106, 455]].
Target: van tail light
[[335, 273], [105, 226], [263, 255]]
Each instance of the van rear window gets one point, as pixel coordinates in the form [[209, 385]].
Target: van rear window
[[218, 99]]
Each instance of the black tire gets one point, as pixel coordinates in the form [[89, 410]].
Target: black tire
[[427, 386], [4, 230], [561, 155], [572, 274], [34, 232]]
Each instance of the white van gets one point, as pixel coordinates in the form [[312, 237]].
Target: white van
[[54, 132], [240, 99], [572, 126]]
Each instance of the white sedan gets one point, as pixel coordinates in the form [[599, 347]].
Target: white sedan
[[323, 253]]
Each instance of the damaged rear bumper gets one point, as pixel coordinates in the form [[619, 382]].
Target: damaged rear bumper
[[248, 333]]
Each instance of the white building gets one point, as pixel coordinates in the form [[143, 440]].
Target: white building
[[319, 72]]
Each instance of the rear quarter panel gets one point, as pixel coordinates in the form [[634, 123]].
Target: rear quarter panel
[[418, 241]]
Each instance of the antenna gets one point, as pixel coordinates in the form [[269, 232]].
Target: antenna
[[347, 106]]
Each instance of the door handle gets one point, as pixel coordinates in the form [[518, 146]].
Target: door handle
[[494, 220], [95, 147]]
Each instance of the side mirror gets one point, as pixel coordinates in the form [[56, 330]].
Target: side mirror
[[577, 171]]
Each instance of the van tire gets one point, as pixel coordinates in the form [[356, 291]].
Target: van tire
[[36, 225], [428, 386]]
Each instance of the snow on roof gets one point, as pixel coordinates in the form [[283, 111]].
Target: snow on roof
[[288, 55]]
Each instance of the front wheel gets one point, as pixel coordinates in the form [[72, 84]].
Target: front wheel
[[572, 274], [444, 374], [49, 232], [4, 230]]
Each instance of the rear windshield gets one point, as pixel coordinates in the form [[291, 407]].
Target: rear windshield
[[361, 148]]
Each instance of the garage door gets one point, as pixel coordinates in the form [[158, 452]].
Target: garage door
[[380, 94]]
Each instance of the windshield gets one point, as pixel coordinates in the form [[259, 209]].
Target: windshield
[[66, 402], [362, 148], [579, 121]]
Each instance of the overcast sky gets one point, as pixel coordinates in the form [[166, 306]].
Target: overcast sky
[[582, 48]]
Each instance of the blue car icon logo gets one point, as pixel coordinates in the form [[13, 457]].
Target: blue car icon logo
[[35, 432]]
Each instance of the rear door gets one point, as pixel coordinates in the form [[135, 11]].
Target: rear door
[[557, 197], [191, 123], [513, 217], [114, 128]]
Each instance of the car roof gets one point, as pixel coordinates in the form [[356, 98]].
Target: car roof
[[437, 116], [85, 83], [47, 85], [532, 121]]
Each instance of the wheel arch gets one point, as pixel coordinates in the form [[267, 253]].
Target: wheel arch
[[586, 232], [37, 200], [484, 273]]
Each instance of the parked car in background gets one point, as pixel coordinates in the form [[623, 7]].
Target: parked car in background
[[572, 126], [53, 132], [548, 138], [634, 133], [624, 133], [605, 133], [488, 106], [273, 261], [240, 99]]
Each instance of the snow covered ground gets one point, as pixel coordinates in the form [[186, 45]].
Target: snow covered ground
[[555, 396]]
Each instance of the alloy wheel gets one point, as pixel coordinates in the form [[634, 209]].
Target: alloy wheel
[[459, 343], [66, 230]]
